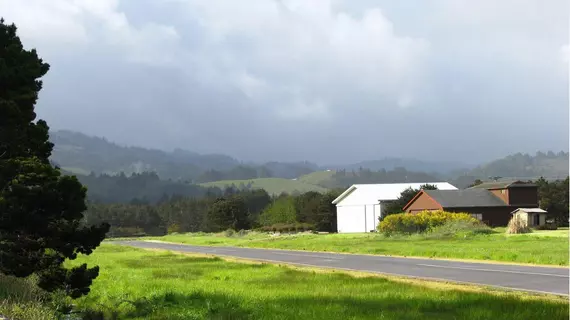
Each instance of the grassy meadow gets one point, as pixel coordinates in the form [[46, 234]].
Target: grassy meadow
[[138, 284], [21, 299], [540, 247], [317, 177], [273, 186]]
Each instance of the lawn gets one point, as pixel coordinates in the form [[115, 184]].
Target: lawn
[[273, 186], [138, 284], [530, 248]]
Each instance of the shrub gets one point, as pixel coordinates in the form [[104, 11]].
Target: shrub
[[516, 225], [229, 233], [550, 225], [421, 222], [288, 227], [455, 228], [173, 228]]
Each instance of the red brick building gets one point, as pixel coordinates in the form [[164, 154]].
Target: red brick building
[[491, 202]]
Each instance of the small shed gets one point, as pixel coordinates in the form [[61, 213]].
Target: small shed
[[532, 217]]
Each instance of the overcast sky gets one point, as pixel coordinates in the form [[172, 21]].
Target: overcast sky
[[320, 80]]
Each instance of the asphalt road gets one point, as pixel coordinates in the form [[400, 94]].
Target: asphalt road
[[525, 278]]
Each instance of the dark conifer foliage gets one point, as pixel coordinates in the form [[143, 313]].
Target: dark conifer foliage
[[40, 210]]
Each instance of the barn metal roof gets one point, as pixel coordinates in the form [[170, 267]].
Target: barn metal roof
[[465, 198], [361, 194]]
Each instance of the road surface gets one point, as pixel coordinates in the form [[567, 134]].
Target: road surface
[[526, 278]]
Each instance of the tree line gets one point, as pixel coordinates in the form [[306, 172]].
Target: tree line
[[234, 209], [343, 178]]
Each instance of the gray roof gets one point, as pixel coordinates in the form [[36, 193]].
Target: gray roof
[[502, 185], [531, 210], [465, 198]]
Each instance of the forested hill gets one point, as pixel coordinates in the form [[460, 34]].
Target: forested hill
[[81, 154], [521, 166]]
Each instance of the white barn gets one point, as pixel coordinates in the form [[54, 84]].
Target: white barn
[[359, 208]]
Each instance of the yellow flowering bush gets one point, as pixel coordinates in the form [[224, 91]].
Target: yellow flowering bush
[[420, 222]]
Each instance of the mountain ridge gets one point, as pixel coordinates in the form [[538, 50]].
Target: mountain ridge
[[82, 154]]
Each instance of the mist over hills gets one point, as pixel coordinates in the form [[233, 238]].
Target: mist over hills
[[82, 154]]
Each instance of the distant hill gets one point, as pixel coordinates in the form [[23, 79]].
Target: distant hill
[[319, 178], [274, 186], [518, 166], [82, 154]]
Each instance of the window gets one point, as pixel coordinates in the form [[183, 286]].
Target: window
[[478, 216], [503, 191]]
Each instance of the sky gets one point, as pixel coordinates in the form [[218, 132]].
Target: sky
[[328, 81]]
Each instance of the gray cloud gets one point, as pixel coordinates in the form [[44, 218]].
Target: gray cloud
[[324, 80]]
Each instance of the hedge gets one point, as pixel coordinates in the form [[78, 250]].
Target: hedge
[[423, 221]]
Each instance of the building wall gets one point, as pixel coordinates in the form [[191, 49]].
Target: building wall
[[350, 219], [524, 196], [492, 216], [423, 202], [371, 218], [362, 218]]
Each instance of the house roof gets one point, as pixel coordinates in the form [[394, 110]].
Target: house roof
[[530, 210], [502, 185], [465, 198], [360, 194]]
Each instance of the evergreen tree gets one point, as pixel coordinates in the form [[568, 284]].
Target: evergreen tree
[[40, 210]]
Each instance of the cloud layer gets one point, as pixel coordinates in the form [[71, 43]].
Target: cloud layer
[[324, 80]]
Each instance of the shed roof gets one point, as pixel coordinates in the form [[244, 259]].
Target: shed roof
[[530, 210], [502, 185], [465, 198], [360, 194]]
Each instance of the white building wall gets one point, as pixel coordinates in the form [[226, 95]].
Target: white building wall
[[362, 218], [350, 219], [377, 214], [370, 215]]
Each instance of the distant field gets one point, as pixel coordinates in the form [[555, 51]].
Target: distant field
[[138, 284], [539, 248], [317, 178], [271, 185]]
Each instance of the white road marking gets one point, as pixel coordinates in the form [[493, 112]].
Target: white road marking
[[308, 255], [495, 270]]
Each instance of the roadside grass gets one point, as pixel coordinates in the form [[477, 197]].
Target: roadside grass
[[273, 186], [529, 248], [138, 284], [21, 299], [561, 232]]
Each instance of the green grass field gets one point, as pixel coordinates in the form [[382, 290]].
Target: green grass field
[[317, 178], [534, 248], [138, 284], [274, 186], [21, 299]]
